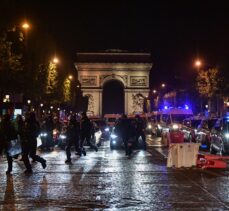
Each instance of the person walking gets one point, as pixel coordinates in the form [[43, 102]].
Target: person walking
[[32, 130], [21, 131], [125, 130], [85, 133], [140, 127], [7, 133], [49, 126], [72, 137]]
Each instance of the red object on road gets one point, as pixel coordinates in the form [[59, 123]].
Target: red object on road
[[176, 136], [212, 161]]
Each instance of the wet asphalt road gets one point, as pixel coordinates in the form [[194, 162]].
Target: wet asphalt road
[[108, 180]]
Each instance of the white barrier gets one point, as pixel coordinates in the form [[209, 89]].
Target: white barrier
[[183, 155]]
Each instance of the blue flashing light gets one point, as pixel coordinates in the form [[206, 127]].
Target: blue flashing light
[[165, 107], [186, 107], [204, 146]]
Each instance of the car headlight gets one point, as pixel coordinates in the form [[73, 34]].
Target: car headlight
[[113, 142], [175, 126], [226, 135], [149, 126], [63, 136], [159, 127], [43, 134], [107, 129], [113, 136]]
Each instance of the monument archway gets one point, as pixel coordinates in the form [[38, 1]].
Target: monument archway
[[113, 97], [95, 70]]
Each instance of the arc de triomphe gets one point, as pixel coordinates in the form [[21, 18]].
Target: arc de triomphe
[[130, 69]]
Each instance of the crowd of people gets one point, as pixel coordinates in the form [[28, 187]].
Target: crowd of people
[[77, 130], [27, 129]]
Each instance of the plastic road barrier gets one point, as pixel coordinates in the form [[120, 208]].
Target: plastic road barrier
[[183, 154]]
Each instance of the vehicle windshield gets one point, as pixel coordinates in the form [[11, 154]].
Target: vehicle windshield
[[226, 124], [111, 119], [178, 118]]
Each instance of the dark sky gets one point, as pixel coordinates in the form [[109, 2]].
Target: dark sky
[[175, 32]]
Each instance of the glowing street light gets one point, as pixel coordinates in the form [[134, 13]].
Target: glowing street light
[[70, 77], [198, 63], [25, 26], [163, 85], [29, 101], [41, 105], [227, 103], [154, 91], [55, 60]]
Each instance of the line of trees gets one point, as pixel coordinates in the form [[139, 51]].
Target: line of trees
[[26, 69], [212, 87]]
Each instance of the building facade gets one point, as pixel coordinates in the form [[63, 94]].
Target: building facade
[[129, 70]]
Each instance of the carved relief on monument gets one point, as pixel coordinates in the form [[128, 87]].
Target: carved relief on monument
[[138, 102], [91, 103], [105, 78], [138, 81], [88, 80]]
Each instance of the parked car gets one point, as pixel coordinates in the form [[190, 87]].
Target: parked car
[[171, 116], [189, 128], [203, 133], [220, 137]]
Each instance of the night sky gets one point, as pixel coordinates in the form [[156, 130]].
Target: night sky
[[175, 33]]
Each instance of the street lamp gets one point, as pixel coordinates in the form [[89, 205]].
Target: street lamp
[[163, 85], [55, 60], [70, 77], [198, 64], [25, 26]]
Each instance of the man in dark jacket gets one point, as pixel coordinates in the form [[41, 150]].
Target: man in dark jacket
[[126, 131], [32, 130], [140, 127], [7, 133], [21, 130], [72, 137], [85, 133]]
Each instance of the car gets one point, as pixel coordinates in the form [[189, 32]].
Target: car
[[220, 137], [203, 133], [116, 141], [171, 116], [189, 128]]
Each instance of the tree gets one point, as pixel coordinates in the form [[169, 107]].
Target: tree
[[10, 65], [67, 90], [52, 82], [208, 83]]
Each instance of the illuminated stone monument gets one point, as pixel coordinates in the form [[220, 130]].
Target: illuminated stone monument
[[131, 70]]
